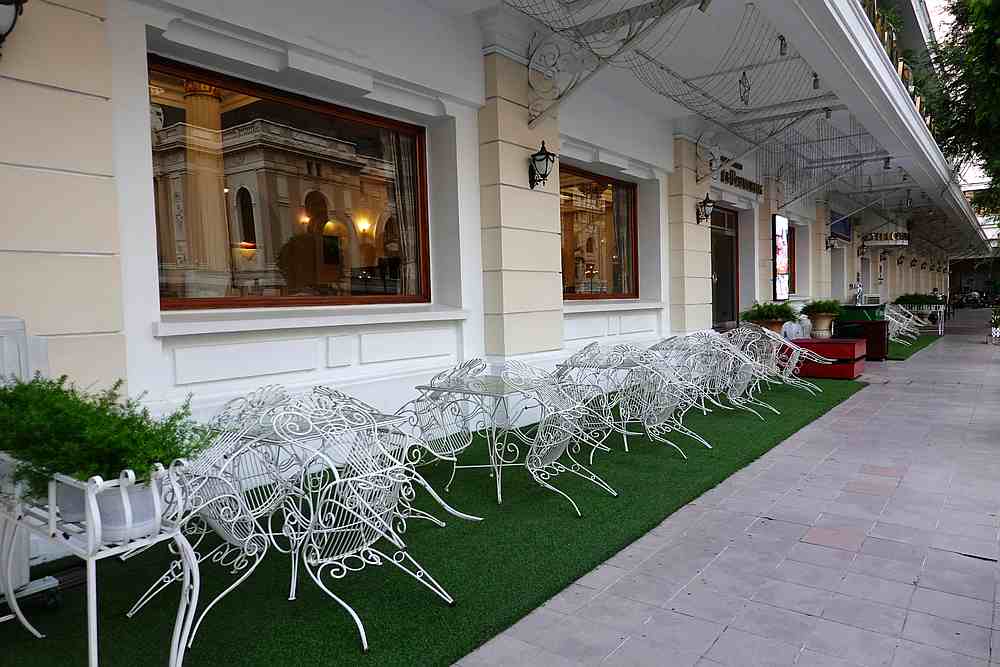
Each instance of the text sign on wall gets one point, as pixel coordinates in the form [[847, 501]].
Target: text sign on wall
[[886, 239], [730, 177]]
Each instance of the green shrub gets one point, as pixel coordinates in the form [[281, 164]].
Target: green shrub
[[916, 300], [50, 426], [760, 312], [827, 307], [995, 319]]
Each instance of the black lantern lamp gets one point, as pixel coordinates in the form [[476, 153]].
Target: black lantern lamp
[[923, 267], [831, 243], [703, 209], [10, 10], [913, 264], [900, 260], [540, 166]]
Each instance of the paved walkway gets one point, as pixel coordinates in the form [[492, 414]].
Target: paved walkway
[[867, 538]]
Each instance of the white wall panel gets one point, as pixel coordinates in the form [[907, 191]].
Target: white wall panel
[[341, 350], [586, 326], [400, 345], [637, 322], [207, 363]]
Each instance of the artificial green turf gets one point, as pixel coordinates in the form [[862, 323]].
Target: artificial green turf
[[498, 570], [899, 352]]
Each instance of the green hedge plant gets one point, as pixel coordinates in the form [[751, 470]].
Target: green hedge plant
[[822, 307], [49, 426], [762, 312]]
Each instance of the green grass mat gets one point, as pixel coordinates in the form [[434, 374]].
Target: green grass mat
[[899, 352], [498, 570]]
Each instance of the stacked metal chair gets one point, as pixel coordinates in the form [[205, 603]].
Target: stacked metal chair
[[562, 430]]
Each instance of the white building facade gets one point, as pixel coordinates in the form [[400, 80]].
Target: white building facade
[[203, 198]]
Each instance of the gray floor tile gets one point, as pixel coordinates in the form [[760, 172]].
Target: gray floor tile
[[743, 649], [955, 607], [680, 631], [700, 600], [813, 659], [835, 559], [884, 568], [794, 597], [901, 551], [578, 639], [950, 635], [807, 574], [788, 626], [641, 653], [977, 586], [851, 643], [865, 614], [615, 611], [912, 654], [644, 588], [877, 590]]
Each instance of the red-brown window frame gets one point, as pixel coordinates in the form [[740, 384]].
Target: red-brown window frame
[[173, 68], [633, 227]]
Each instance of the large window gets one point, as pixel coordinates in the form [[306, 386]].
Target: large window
[[269, 199], [598, 236]]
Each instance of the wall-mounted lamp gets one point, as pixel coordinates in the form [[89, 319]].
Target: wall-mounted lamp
[[913, 264], [540, 166], [782, 46], [703, 209], [10, 10], [363, 225], [304, 218], [815, 81], [923, 266], [828, 113], [887, 163], [831, 243], [900, 260]]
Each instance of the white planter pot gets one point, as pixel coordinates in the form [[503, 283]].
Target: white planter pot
[[109, 505]]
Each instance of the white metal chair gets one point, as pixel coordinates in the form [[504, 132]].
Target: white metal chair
[[561, 430]]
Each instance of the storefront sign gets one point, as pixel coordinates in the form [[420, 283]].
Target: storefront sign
[[730, 177], [886, 239]]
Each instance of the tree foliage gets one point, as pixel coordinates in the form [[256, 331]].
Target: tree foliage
[[963, 91]]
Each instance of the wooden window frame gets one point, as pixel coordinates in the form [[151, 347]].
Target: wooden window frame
[[633, 226], [262, 91]]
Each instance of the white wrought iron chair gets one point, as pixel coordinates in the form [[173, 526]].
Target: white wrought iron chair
[[356, 489], [562, 428], [660, 395], [444, 423]]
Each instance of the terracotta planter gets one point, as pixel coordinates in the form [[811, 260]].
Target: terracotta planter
[[822, 324], [773, 325]]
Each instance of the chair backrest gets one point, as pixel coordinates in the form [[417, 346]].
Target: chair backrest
[[442, 421]]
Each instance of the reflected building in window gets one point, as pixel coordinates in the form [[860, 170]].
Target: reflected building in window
[[257, 198]]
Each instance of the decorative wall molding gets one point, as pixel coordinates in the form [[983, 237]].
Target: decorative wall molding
[[352, 71]]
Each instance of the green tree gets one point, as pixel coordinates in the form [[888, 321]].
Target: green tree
[[962, 87]]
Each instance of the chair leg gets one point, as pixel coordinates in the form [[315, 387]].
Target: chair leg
[[548, 486], [317, 577], [408, 564]]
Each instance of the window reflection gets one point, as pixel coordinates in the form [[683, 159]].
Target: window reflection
[[598, 235], [262, 198]]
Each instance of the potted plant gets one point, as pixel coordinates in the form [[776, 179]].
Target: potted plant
[[822, 314], [770, 315], [49, 427]]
